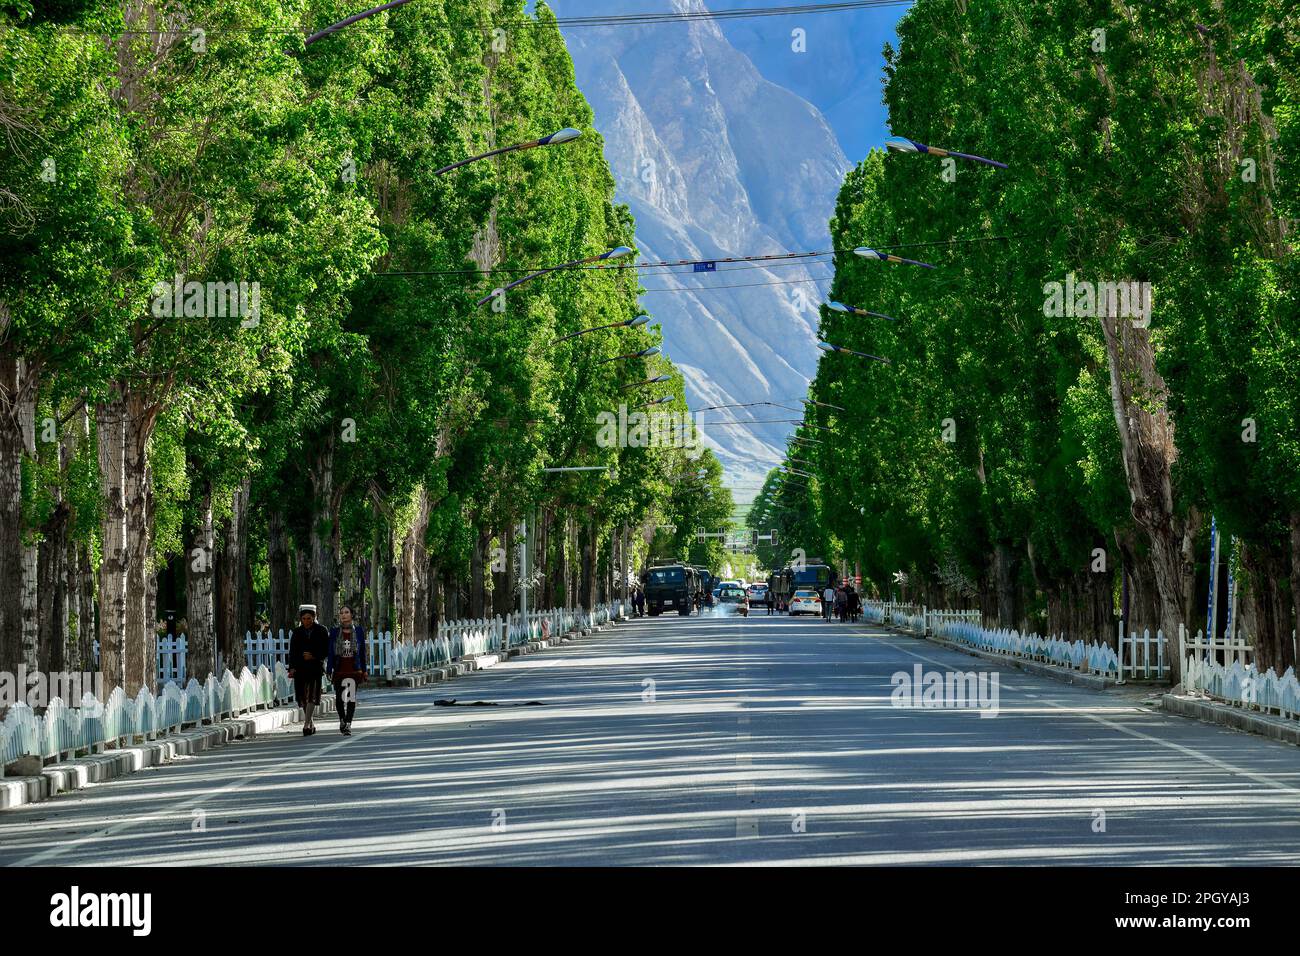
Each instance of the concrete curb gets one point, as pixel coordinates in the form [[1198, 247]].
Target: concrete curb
[[100, 767], [1037, 668], [1235, 718]]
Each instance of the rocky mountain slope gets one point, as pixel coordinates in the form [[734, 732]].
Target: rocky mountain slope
[[714, 161]]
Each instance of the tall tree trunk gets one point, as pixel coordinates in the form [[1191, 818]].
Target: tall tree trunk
[[324, 568], [478, 597], [1264, 604], [15, 387], [110, 427], [410, 568], [588, 596], [200, 610], [281, 612], [231, 586], [52, 591], [1139, 400], [140, 663], [1005, 567]]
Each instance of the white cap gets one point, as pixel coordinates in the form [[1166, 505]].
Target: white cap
[[307, 607]]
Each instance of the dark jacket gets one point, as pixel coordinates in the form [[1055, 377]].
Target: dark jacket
[[316, 640], [358, 635]]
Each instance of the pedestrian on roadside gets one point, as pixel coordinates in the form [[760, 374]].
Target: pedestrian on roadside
[[828, 602], [841, 604], [308, 648], [346, 666], [855, 604]]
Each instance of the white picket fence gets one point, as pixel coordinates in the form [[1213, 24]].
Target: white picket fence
[[1219, 667], [64, 729], [1093, 658], [1143, 658], [474, 638]]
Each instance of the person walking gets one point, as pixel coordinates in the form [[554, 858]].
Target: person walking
[[828, 602], [346, 666], [308, 648], [855, 604], [841, 604]]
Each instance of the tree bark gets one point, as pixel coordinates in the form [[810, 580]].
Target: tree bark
[[14, 384], [281, 612], [1139, 400], [200, 610], [323, 520], [477, 597], [110, 427]]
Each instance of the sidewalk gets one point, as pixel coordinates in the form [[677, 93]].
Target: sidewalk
[[58, 778]]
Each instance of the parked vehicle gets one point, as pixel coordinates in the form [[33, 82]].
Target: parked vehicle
[[757, 594], [805, 602]]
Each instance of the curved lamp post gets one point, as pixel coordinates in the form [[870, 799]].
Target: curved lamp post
[[868, 253], [617, 253], [650, 381], [552, 139], [901, 144], [365, 14], [644, 353], [854, 310], [651, 404], [813, 401], [629, 324], [828, 347]]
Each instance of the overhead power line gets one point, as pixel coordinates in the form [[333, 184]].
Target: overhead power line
[[591, 20]]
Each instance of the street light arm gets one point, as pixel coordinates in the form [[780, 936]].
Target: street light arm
[[612, 254], [335, 27], [563, 136]]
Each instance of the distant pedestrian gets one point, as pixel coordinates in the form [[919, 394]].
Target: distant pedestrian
[[841, 604], [828, 602], [855, 603], [308, 648], [346, 666]]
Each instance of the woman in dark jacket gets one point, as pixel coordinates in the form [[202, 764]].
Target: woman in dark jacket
[[307, 651], [346, 665]]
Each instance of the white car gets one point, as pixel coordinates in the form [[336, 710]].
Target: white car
[[757, 594], [805, 602]]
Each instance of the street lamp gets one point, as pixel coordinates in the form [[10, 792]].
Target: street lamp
[[629, 324], [854, 310], [868, 253], [334, 27], [812, 401], [644, 353], [651, 404], [901, 144], [616, 253], [562, 136], [650, 381], [827, 347]]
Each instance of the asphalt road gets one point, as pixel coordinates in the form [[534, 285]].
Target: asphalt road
[[702, 741]]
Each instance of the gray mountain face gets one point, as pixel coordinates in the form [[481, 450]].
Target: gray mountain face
[[715, 161]]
